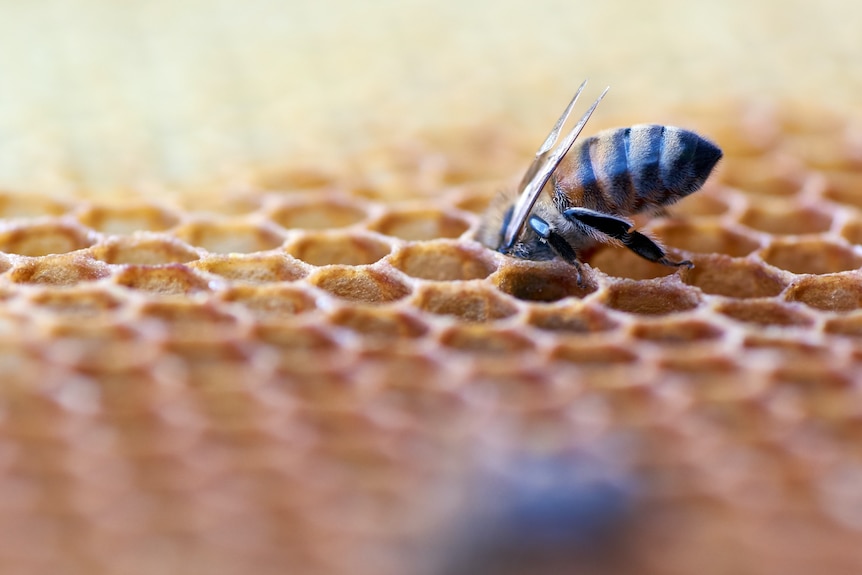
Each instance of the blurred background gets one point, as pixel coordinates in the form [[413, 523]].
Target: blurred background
[[102, 96]]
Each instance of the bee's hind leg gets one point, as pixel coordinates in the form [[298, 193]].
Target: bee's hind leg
[[648, 249], [618, 229], [557, 242]]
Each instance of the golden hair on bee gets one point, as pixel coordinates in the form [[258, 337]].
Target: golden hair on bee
[[574, 196]]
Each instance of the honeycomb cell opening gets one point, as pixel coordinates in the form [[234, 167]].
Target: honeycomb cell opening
[[849, 325], [14, 206], [852, 231], [421, 224], [128, 219], [542, 281], [706, 238], [622, 263], [227, 237], [764, 313], [653, 297], [811, 256], [379, 324], [59, 270], [476, 198], [568, 319], [163, 280], [702, 204], [253, 268], [724, 276], [478, 339], [594, 354], [442, 261], [677, 331], [44, 238], [298, 339], [842, 186], [144, 249], [81, 301], [319, 249], [472, 303], [190, 322], [840, 293], [362, 285], [781, 218], [271, 301], [319, 215], [770, 175]]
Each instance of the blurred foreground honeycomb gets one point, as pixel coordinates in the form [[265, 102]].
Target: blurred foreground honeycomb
[[291, 379]]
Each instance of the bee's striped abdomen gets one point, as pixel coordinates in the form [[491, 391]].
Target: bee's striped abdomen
[[629, 170]]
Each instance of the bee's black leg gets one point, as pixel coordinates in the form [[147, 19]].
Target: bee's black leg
[[557, 242], [648, 249], [618, 229]]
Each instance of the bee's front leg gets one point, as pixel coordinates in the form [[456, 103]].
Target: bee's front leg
[[558, 243]]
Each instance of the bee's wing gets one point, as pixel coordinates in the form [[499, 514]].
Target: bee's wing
[[543, 166]]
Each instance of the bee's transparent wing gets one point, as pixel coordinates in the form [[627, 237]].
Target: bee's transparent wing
[[543, 166]]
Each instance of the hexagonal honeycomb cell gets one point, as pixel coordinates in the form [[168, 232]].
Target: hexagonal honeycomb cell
[[312, 365]]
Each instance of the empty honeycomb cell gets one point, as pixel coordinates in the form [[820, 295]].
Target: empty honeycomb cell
[[271, 301], [847, 325], [702, 204], [127, 219], [30, 206], [474, 303], [852, 231], [844, 187], [253, 268], [360, 284], [650, 297], [829, 293], [811, 256], [189, 320], [594, 354], [622, 263], [421, 224], [304, 339], [476, 198], [83, 301], [380, 324], [677, 331], [44, 238], [319, 215], [765, 312], [319, 249], [570, 319], [59, 270], [821, 151], [296, 178], [765, 175], [518, 389], [164, 280], [99, 348], [443, 261], [699, 363], [738, 278], [706, 237], [226, 237], [783, 218], [144, 249], [479, 339], [541, 281]]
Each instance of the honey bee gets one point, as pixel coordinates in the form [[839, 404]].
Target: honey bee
[[572, 198]]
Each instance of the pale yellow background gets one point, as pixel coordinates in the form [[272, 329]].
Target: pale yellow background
[[108, 95]]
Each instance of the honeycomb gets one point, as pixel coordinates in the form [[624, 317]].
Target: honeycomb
[[300, 377]]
